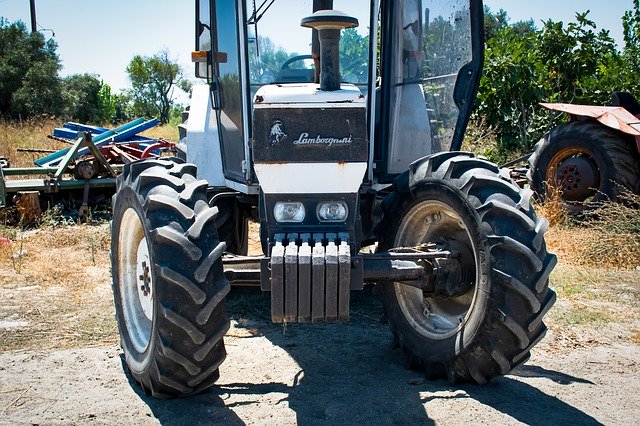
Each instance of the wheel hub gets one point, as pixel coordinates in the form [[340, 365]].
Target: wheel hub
[[135, 280], [145, 284], [577, 177], [438, 315]]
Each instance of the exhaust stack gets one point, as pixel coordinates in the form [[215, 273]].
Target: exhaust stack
[[329, 23]]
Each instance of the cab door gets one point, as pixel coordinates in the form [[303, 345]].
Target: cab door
[[431, 59], [228, 84]]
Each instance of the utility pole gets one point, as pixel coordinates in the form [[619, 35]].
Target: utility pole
[[33, 16]]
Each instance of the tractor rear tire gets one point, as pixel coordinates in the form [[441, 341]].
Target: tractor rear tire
[[168, 282], [233, 227], [587, 162], [490, 324]]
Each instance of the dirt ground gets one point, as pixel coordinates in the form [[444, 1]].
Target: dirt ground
[[60, 362]]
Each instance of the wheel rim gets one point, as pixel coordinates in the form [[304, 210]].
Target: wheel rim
[[436, 317], [575, 174], [135, 282]]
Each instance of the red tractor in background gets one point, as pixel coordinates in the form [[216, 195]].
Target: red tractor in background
[[591, 159]]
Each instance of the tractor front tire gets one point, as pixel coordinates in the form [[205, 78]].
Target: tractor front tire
[[586, 162], [500, 289], [168, 281]]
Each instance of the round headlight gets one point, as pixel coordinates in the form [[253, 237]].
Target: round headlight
[[288, 212], [333, 211]]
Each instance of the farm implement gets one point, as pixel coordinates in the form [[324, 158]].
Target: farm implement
[[87, 167]]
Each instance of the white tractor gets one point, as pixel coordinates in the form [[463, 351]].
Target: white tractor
[[337, 126]]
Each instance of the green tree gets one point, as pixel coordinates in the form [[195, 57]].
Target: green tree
[[557, 63], [354, 56], [631, 27], [154, 80], [29, 65], [495, 21], [265, 62], [122, 105], [106, 104], [81, 97]]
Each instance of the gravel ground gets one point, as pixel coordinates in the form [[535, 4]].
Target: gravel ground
[[323, 374]]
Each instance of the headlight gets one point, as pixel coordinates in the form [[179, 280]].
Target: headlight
[[333, 211], [289, 212]]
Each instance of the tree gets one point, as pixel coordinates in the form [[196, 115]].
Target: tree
[[122, 108], [495, 21], [29, 65], [631, 27], [153, 81], [558, 63], [264, 65], [81, 94], [354, 56], [106, 104]]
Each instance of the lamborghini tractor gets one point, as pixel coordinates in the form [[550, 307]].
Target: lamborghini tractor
[[349, 159]]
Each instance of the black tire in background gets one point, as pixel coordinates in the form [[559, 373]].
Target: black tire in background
[[233, 226], [489, 326], [168, 281], [594, 164]]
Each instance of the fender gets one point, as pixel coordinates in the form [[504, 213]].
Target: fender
[[203, 139], [613, 117]]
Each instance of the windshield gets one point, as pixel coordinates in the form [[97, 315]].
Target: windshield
[[280, 49]]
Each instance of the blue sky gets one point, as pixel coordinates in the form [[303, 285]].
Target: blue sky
[[101, 37]]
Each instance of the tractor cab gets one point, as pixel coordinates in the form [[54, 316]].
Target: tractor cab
[[416, 64]]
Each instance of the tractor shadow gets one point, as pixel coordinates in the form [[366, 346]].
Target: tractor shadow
[[350, 374], [202, 409]]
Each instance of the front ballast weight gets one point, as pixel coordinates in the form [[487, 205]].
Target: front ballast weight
[[310, 276]]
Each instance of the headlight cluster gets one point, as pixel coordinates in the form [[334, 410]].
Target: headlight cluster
[[333, 211], [294, 212], [289, 212]]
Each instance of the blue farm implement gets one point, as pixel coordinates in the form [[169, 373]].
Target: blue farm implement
[[89, 165]]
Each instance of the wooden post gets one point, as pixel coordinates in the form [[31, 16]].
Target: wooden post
[[28, 205]]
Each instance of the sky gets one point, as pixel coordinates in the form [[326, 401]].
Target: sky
[[100, 37]]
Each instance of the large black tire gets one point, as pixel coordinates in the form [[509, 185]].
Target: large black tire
[[168, 281], [587, 162], [233, 226], [502, 291]]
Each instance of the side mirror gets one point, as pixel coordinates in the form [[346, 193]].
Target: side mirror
[[221, 57], [201, 27]]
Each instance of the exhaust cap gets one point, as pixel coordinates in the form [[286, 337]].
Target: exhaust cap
[[329, 20], [329, 23]]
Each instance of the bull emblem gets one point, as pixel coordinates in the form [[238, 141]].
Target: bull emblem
[[277, 133]]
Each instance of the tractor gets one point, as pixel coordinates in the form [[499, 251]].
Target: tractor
[[337, 126], [593, 158]]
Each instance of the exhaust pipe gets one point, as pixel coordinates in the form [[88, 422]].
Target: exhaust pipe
[[329, 23]]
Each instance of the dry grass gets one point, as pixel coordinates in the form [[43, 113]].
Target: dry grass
[[166, 131], [553, 210], [33, 134], [608, 236], [598, 276], [482, 140], [59, 294], [26, 134]]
